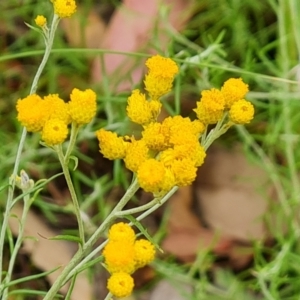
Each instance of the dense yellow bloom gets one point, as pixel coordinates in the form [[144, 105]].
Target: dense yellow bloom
[[162, 66], [192, 150], [40, 21], [120, 284], [32, 113], [159, 79], [57, 108], [138, 108], [82, 106], [151, 175], [54, 132], [121, 232], [64, 8], [144, 253], [137, 152], [168, 183], [154, 137], [206, 115], [175, 127], [119, 256], [213, 99], [111, 146], [184, 171], [234, 89], [241, 112]]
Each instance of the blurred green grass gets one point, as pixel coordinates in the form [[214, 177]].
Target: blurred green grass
[[257, 40]]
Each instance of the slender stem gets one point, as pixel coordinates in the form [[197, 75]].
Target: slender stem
[[79, 255], [96, 251], [287, 46], [64, 164], [158, 204], [137, 209], [18, 244], [49, 43], [216, 133], [11, 189], [9, 201], [73, 136], [109, 296]]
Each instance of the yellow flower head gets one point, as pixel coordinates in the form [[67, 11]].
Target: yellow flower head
[[144, 253], [213, 99], [32, 113], [234, 89], [151, 175], [120, 284], [206, 115], [64, 8], [57, 108], [55, 132], [154, 137], [162, 66], [111, 146], [121, 232], [119, 256], [177, 126], [137, 152], [138, 108], [159, 79], [184, 171], [168, 183], [241, 112], [82, 106], [191, 150], [40, 21]]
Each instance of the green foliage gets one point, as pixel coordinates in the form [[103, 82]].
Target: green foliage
[[257, 40]]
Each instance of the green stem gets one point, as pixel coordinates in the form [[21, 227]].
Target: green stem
[[18, 244], [65, 167], [11, 189], [109, 296], [216, 133], [137, 209], [79, 255], [158, 204], [73, 136], [95, 252], [287, 45]]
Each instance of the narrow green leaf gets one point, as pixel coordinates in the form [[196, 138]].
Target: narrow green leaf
[[31, 277], [75, 161], [143, 230], [70, 238]]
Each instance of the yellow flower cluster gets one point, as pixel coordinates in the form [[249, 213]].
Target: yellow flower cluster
[[51, 115], [64, 8], [167, 155], [214, 103], [159, 79], [169, 152], [123, 255], [158, 82]]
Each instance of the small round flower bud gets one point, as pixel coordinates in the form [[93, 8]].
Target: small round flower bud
[[120, 284]]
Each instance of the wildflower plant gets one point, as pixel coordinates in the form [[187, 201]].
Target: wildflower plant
[[164, 158]]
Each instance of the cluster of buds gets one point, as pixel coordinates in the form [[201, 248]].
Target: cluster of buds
[[51, 115], [169, 152], [123, 255]]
